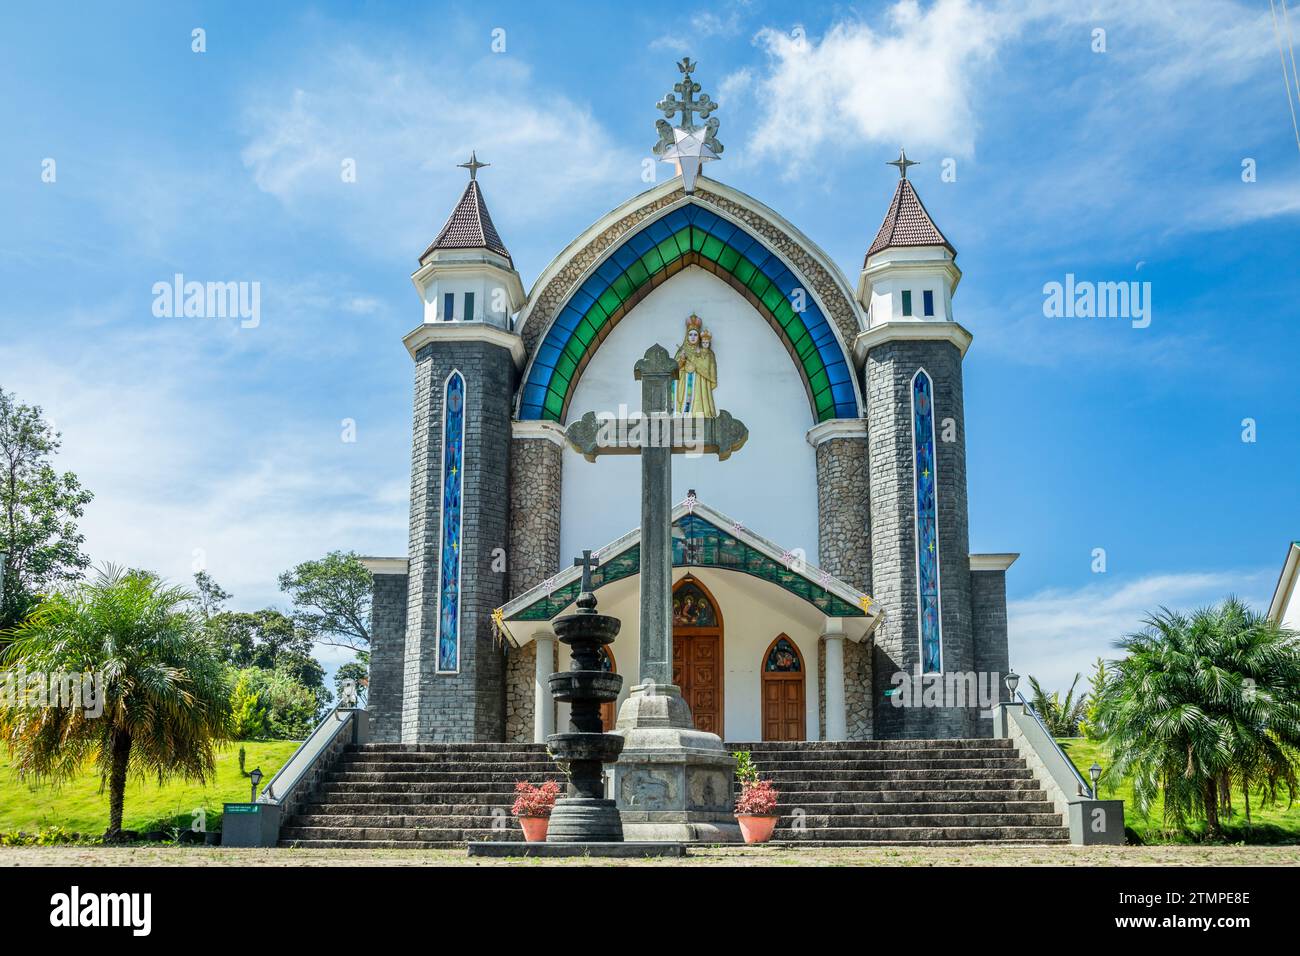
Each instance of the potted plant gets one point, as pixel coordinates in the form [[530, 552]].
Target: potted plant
[[756, 806], [533, 807]]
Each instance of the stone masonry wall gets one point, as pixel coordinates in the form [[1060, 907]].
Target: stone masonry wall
[[387, 657], [536, 467], [887, 384], [520, 663], [989, 618], [469, 705], [844, 549]]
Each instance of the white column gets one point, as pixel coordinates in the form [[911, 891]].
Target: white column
[[836, 718], [543, 703]]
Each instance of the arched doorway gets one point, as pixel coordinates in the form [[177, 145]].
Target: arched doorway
[[609, 709], [697, 652], [783, 691]]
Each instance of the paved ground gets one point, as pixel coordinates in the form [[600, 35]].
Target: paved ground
[[157, 855]]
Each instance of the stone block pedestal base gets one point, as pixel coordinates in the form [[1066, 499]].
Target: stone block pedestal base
[[672, 782]]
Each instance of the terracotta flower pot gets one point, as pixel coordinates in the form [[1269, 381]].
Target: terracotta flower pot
[[535, 828], [757, 829]]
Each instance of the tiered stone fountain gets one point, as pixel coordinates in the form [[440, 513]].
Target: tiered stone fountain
[[584, 815]]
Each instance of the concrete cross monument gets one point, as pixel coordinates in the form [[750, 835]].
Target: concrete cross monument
[[672, 782]]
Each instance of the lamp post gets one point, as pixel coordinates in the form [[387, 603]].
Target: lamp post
[[256, 778], [1012, 680], [1095, 773]]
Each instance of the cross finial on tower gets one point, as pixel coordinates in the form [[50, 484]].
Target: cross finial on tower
[[902, 163], [473, 165]]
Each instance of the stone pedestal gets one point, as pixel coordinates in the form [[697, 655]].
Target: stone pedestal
[[671, 781]]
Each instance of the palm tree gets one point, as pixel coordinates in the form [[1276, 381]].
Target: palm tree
[[165, 699], [1061, 717], [1202, 701]]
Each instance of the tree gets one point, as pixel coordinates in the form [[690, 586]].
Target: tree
[[1092, 703], [1201, 701], [1060, 716], [258, 638], [331, 599], [166, 705], [39, 509], [355, 671], [212, 597]]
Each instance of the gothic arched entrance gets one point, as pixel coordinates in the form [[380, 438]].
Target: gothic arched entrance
[[697, 652], [783, 691]]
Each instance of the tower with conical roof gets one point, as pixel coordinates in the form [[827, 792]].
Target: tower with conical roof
[[467, 363], [912, 355]]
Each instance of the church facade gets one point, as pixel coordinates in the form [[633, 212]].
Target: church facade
[[816, 570]]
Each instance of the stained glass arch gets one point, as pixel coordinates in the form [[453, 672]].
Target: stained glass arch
[[451, 523], [692, 606], [926, 483], [690, 235], [782, 657]]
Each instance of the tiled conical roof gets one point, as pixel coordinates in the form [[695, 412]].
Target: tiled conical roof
[[469, 226], [907, 223]]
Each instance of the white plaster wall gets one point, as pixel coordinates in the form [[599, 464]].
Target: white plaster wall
[[753, 612], [770, 485], [1291, 613]]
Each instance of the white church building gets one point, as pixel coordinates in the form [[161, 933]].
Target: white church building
[[812, 567]]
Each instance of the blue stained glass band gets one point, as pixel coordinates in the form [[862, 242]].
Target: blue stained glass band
[[927, 524], [453, 466], [690, 234]]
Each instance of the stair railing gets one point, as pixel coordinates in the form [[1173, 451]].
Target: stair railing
[[337, 729], [1085, 789]]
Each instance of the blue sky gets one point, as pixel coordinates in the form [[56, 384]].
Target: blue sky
[[204, 441]]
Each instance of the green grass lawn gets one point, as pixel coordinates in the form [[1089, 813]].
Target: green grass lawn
[[79, 807], [1275, 824]]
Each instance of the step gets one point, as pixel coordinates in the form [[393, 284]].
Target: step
[[438, 776], [877, 821], [816, 767], [812, 797], [843, 808], [813, 746], [833, 758], [400, 835], [926, 834], [953, 774]]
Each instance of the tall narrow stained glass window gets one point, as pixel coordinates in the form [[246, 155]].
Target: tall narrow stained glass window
[[453, 464], [927, 523]]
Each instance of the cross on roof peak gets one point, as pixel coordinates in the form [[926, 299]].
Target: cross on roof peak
[[473, 165], [902, 163]]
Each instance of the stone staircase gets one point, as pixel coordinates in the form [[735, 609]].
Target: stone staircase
[[420, 796], [844, 793], [832, 794]]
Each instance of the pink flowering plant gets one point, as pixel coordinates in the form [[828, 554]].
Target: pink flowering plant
[[757, 797], [533, 801]]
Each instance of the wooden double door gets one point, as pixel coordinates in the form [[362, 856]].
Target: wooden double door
[[697, 653]]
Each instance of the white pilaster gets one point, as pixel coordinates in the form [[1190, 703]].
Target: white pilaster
[[836, 715], [543, 705]]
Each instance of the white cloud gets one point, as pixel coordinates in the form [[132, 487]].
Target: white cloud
[[184, 464], [406, 124], [1056, 634], [911, 83]]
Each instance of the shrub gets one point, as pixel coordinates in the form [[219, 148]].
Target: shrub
[[533, 801], [757, 799]]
